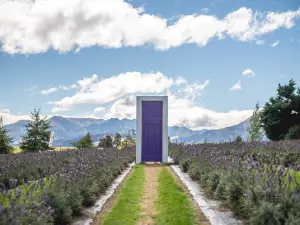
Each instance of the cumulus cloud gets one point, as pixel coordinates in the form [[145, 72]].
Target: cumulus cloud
[[94, 91], [115, 97], [9, 118], [248, 72], [193, 90], [236, 86], [183, 112], [55, 89], [123, 108], [37, 26], [275, 43]]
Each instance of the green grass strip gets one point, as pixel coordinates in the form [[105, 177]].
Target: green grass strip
[[175, 208], [126, 211]]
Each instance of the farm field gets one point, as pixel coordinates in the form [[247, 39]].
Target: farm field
[[258, 182]]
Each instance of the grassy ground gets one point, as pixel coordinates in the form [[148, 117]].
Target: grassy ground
[[127, 208], [175, 208]]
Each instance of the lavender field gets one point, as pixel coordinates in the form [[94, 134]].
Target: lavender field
[[53, 187], [259, 182]]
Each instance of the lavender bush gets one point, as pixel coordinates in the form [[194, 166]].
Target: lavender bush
[[53, 187], [260, 182]]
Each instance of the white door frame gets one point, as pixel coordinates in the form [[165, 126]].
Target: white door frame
[[139, 128]]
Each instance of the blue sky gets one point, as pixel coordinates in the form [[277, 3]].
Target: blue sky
[[214, 58]]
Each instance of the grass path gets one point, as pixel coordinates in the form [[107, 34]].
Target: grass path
[[153, 195], [174, 204], [127, 208]]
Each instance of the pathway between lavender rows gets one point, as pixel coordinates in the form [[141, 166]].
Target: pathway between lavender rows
[[152, 194]]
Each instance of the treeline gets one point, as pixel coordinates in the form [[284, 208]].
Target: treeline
[[107, 141]]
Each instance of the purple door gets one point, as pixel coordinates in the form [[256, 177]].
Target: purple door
[[152, 131]]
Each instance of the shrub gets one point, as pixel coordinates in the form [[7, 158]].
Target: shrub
[[213, 181], [85, 142]]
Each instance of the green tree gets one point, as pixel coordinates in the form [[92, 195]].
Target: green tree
[[293, 133], [37, 134], [281, 112], [84, 143], [238, 139], [5, 139], [129, 140], [254, 130], [117, 140], [105, 142]]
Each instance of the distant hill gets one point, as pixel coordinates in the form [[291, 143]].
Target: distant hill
[[68, 130]]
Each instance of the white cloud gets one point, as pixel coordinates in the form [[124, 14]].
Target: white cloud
[[193, 90], [77, 50], [9, 118], [61, 87], [94, 91], [236, 86], [183, 112], [248, 72], [37, 26], [123, 108], [180, 80], [120, 93], [100, 112], [86, 82], [274, 44], [260, 42], [66, 88], [49, 91]]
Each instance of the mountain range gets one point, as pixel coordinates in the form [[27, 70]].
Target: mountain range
[[68, 130]]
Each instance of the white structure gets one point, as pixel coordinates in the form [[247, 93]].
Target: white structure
[[141, 133], [51, 139]]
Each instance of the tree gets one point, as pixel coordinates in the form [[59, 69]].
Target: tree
[[129, 140], [281, 112], [254, 130], [117, 140], [238, 139], [106, 142], [37, 134], [84, 143], [5, 139], [293, 133]]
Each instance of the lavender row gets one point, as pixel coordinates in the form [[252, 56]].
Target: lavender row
[[71, 180], [259, 182]]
